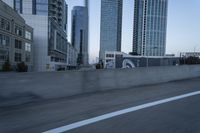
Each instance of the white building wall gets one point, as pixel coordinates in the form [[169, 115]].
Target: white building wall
[[9, 2], [27, 7], [72, 55], [40, 37]]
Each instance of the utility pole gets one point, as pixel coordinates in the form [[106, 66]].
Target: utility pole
[[147, 58], [87, 28], [147, 64]]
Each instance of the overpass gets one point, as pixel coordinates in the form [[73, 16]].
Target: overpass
[[157, 99]]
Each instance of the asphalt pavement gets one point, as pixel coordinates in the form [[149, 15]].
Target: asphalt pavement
[[179, 116]]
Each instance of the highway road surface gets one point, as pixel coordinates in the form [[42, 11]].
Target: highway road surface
[[172, 107]]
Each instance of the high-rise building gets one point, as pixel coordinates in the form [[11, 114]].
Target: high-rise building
[[80, 33], [150, 24], [72, 56], [49, 21], [111, 26], [16, 39]]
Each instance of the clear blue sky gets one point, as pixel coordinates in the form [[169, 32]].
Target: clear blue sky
[[183, 32]]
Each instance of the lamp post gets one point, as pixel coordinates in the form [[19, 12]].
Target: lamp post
[[195, 47], [147, 61]]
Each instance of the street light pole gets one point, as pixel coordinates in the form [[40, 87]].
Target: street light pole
[[147, 61]]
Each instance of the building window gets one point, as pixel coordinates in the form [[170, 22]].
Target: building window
[[27, 47], [28, 35], [18, 30], [110, 55], [4, 24], [4, 40], [18, 44], [7, 26], [4, 55], [18, 57], [28, 57], [18, 6], [40, 7]]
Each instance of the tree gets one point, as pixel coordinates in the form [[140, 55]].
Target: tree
[[6, 66], [189, 60], [98, 66]]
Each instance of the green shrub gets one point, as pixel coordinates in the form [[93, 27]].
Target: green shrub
[[189, 60], [98, 66], [22, 67], [6, 67]]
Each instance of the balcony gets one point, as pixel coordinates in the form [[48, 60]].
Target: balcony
[[60, 2], [60, 8], [59, 19], [54, 17], [53, 9], [53, 2], [59, 14]]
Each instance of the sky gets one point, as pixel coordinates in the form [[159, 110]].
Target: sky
[[183, 27]]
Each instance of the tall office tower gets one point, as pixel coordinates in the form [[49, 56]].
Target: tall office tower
[[49, 21], [111, 26], [80, 33], [150, 24]]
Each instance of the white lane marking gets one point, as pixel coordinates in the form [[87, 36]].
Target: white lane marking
[[117, 113]]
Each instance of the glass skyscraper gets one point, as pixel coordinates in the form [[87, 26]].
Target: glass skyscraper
[[150, 25], [111, 26], [80, 33]]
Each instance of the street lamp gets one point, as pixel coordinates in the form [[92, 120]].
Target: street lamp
[[147, 61]]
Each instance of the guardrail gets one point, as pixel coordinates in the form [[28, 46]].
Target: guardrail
[[19, 88]]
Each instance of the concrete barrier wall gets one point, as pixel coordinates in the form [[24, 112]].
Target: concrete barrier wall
[[18, 88]]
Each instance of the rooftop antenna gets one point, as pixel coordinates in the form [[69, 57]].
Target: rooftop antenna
[[88, 21]]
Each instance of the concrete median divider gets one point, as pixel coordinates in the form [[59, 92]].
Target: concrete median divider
[[20, 88]]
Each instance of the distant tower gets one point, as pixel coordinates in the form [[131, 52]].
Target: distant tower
[[111, 26], [150, 25], [87, 26], [80, 26]]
